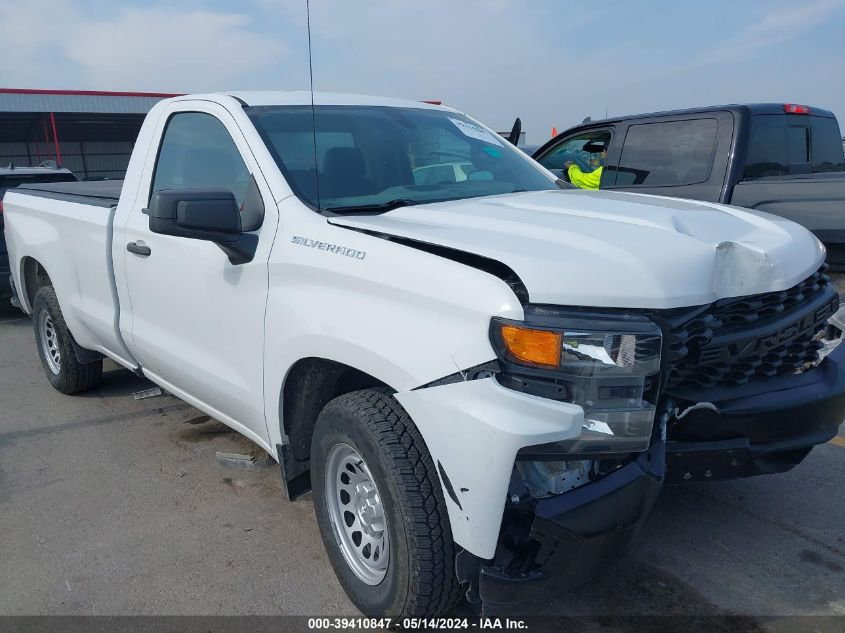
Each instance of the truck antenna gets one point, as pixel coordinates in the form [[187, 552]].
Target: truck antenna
[[313, 112]]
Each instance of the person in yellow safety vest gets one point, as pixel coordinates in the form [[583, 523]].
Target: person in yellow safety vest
[[585, 179]]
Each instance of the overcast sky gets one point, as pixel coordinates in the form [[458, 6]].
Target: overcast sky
[[550, 62]]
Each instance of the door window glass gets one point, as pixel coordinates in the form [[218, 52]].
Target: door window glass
[[197, 152], [667, 153], [585, 150]]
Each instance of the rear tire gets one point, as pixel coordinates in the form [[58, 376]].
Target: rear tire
[[395, 504], [63, 369]]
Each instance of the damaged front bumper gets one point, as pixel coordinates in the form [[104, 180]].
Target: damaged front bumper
[[476, 431], [758, 434], [554, 544], [557, 543], [521, 547]]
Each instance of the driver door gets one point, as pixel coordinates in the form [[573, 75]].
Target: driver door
[[197, 319]]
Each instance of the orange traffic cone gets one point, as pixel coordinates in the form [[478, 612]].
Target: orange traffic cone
[[554, 131]]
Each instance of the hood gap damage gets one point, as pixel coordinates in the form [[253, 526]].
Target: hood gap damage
[[479, 262]]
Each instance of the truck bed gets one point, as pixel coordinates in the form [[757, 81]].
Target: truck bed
[[816, 201], [67, 228], [98, 193]]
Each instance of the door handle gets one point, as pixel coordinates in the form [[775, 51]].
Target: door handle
[[139, 248]]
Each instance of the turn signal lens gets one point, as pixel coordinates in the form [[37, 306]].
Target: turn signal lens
[[532, 346]]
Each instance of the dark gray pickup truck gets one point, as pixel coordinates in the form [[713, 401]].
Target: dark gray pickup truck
[[785, 159]]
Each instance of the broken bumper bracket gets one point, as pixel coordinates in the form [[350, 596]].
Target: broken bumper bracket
[[574, 534]]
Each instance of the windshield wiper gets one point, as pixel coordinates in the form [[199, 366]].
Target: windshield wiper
[[379, 207]]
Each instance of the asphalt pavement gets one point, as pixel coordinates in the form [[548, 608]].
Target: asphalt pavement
[[111, 505]]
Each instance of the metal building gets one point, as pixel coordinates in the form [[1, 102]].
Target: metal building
[[89, 132]]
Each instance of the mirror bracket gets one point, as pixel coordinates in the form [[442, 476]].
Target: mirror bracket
[[211, 215], [242, 250]]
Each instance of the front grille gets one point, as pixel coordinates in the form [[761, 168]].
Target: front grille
[[736, 341]]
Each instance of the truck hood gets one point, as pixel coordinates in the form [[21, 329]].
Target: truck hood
[[608, 249]]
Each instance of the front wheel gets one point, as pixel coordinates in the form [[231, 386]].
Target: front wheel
[[380, 509], [63, 369]]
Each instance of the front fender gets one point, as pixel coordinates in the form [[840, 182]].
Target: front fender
[[401, 315], [473, 430]]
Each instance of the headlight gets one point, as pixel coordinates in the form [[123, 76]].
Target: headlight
[[603, 363]]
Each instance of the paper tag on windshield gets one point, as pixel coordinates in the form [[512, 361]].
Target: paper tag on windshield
[[476, 131]]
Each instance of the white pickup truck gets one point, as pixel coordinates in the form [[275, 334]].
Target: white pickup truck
[[485, 377]]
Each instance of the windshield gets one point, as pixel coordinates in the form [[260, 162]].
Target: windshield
[[373, 158]]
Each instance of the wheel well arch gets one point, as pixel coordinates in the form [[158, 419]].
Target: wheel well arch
[[309, 386], [33, 277]]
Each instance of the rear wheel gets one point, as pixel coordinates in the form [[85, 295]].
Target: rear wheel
[[63, 369], [380, 508]]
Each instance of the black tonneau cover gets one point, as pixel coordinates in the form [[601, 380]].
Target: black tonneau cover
[[98, 193]]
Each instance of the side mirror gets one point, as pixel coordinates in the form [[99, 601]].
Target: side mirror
[[211, 215], [516, 132]]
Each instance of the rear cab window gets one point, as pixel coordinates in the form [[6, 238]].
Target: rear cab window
[[666, 153], [784, 144]]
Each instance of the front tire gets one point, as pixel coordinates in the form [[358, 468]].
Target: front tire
[[63, 369], [376, 492]]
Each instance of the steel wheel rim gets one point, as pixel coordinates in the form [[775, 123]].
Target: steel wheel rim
[[50, 342], [357, 514]]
